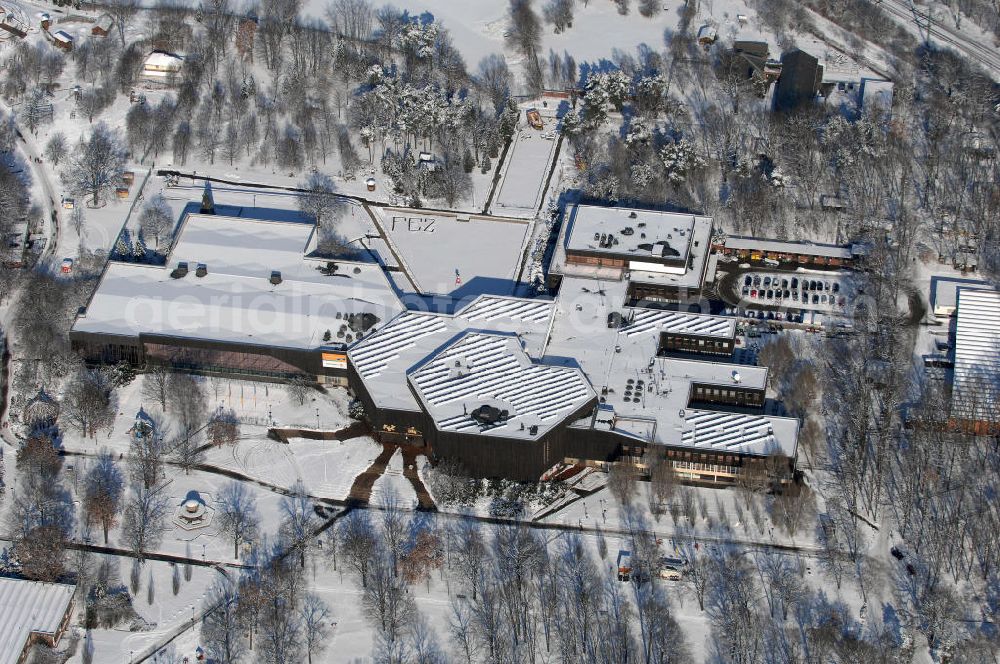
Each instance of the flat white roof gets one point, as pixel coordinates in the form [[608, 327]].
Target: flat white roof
[[637, 234], [445, 256], [641, 263], [647, 396], [160, 59], [383, 358], [944, 292], [27, 607], [490, 369], [976, 384], [235, 301]]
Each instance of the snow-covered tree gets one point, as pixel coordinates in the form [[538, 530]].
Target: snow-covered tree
[[123, 246], [680, 159]]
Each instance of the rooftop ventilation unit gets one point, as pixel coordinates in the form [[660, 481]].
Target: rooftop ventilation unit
[[201, 271], [736, 376], [632, 215], [489, 415], [275, 277], [533, 430], [180, 271]]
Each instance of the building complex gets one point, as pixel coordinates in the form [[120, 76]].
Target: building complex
[[509, 386]]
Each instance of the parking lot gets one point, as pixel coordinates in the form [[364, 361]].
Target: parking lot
[[824, 293]]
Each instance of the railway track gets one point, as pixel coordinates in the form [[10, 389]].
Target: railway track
[[985, 55]]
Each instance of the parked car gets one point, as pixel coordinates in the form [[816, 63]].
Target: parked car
[[784, 283], [67, 266], [836, 287], [747, 280], [795, 282]]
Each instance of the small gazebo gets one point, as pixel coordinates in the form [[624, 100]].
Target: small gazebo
[[41, 411]]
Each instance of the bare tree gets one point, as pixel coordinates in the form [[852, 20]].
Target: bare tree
[[238, 515], [123, 12], [319, 201], [350, 19], [494, 78], [298, 520], [223, 428], [621, 483], [315, 618], [525, 35], [662, 484], [385, 598], [143, 521], [222, 631], [157, 219], [89, 401], [298, 390], [55, 148], [103, 489], [187, 400], [154, 385], [281, 631], [358, 542], [560, 14], [97, 164]]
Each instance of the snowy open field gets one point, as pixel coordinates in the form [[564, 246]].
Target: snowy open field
[[525, 171]]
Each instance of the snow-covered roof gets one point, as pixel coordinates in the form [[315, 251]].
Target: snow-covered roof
[[383, 357], [876, 93], [647, 396], [790, 247], [453, 254], [976, 386], [839, 68], [673, 252], [634, 234], [491, 369], [643, 321], [235, 301], [27, 607], [161, 61], [944, 292]]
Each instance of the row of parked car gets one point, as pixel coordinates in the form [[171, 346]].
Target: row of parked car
[[792, 289]]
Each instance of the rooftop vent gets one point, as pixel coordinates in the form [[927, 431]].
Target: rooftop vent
[[628, 230], [201, 271], [486, 414], [533, 430], [275, 277], [736, 376], [180, 271], [632, 215]]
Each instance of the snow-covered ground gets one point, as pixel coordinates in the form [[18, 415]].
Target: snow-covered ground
[[525, 171]]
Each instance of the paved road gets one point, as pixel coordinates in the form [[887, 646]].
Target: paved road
[[986, 55], [42, 175]]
